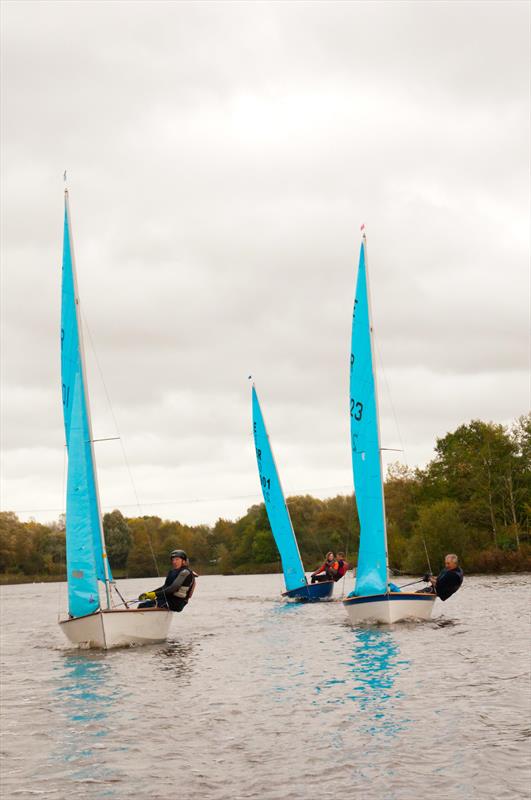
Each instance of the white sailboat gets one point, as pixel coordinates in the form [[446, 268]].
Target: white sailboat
[[372, 598], [88, 624]]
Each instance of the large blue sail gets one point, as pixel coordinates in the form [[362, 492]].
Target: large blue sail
[[371, 574], [275, 503], [84, 551]]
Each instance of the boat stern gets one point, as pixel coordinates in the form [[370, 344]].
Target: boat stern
[[389, 608], [312, 592], [118, 628]]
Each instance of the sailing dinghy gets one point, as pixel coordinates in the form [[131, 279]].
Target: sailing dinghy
[[297, 586], [372, 598], [88, 623]]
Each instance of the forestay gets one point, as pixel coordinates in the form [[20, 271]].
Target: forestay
[[84, 550], [277, 511], [371, 575]]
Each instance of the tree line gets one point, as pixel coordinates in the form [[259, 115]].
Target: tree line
[[473, 498]]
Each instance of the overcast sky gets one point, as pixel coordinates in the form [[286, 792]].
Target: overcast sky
[[221, 158]]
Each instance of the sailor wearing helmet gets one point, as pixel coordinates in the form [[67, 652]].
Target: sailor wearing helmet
[[178, 586]]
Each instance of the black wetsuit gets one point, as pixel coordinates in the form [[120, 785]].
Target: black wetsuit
[[448, 582], [175, 592]]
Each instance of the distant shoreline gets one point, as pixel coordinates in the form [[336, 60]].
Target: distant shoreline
[[14, 580]]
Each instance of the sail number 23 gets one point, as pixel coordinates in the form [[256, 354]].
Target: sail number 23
[[356, 409]]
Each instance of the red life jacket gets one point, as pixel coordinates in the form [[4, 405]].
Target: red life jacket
[[342, 569], [331, 568]]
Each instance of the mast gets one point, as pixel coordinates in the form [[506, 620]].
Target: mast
[[87, 401], [371, 337]]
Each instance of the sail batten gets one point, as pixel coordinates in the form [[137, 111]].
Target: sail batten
[[371, 574], [275, 503], [86, 560]]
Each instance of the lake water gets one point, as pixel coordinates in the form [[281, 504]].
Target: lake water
[[255, 698]]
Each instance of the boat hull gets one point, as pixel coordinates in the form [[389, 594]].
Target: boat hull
[[312, 592], [389, 608], [118, 628]]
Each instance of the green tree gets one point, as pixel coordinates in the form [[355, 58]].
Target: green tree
[[118, 539], [224, 559], [397, 546], [470, 467], [518, 478], [439, 530], [11, 529], [141, 562], [402, 491], [263, 548]]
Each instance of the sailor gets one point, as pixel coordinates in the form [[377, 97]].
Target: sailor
[[178, 586], [327, 571], [448, 581], [342, 566]]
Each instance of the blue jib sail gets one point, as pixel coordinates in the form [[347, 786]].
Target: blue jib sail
[[275, 503], [371, 575], [84, 555]]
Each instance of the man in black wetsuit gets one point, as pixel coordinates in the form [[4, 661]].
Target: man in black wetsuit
[[178, 586], [448, 581]]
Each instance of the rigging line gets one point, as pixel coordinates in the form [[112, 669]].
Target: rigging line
[[124, 454], [116, 589], [347, 544], [316, 541], [406, 460], [63, 511], [415, 504], [314, 536], [427, 556], [177, 501], [311, 530], [380, 360]]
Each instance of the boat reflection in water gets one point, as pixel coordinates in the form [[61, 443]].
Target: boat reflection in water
[[375, 666], [176, 658], [86, 696]]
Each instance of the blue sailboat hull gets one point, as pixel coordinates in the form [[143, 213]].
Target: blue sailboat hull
[[312, 592]]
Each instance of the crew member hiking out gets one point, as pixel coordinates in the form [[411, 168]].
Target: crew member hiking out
[[448, 581], [327, 571], [178, 586]]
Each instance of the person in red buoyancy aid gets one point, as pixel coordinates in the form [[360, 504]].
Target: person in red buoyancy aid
[[343, 566], [327, 571]]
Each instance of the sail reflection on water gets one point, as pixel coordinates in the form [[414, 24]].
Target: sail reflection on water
[[85, 696], [375, 666]]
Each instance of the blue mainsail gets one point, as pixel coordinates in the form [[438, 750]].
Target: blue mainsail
[[371, 574], [275, 504], [84, 548]]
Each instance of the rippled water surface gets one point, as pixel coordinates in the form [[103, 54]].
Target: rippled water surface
[[254, 698]]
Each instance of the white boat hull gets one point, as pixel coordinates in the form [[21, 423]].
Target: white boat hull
[[389, 608], [118, 628]]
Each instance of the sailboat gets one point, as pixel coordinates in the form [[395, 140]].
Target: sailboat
[[372, 598], [88, 623], [297, 586]]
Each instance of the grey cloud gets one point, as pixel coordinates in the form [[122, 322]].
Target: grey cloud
[[221, 158]]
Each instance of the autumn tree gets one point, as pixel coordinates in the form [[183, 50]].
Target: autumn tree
[[118, 539]]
